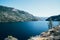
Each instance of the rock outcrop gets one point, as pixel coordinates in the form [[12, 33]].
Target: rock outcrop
[[10, 38], [51, 34]]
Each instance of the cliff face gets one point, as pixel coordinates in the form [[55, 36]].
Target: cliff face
[[8, 14], [54, 18]]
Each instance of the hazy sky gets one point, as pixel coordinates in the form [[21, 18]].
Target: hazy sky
[[41, 8]]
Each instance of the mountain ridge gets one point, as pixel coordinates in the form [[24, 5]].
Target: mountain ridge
[[54, 18], [9, 14]]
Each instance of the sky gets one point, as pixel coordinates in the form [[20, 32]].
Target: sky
[[39, 8]]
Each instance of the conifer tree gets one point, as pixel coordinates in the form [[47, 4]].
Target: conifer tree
[[50, 23]]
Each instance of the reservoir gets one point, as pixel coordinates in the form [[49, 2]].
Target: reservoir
[[24, 30]]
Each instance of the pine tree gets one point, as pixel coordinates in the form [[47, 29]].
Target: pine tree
[[59, 22], [50, 24]]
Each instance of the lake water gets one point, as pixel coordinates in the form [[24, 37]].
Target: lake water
[[23, 30]]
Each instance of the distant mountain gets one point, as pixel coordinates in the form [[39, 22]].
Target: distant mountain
[[8, 14], [43, 18], [54, 18]]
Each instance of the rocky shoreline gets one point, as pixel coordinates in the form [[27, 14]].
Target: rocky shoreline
[[51, 34]]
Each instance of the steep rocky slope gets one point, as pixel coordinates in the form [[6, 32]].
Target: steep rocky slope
[[8, 14]]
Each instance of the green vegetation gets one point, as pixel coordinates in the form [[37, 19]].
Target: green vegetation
[[54, 18], [8, 14], [50, 24]]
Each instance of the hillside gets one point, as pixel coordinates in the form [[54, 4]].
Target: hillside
[[8, 14], [54, 18]]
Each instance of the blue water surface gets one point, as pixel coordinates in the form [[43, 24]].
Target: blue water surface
[[23, 30]]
